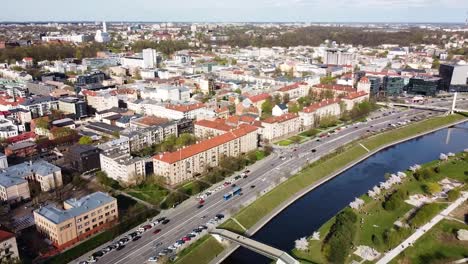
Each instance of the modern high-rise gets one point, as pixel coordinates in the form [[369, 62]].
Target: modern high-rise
[[424, 85], [393, 85], [375, 83], [454, 77]]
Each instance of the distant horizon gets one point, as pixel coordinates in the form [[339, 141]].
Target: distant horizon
[[222, 11], [228, 22]]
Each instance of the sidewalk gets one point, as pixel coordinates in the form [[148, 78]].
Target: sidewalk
[[422, 230]]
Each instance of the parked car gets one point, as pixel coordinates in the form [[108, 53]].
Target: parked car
[[219, 216], [156, 231], [153, 259], [165, 221], [136, 238]]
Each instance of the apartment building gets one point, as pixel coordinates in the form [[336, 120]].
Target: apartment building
[[210, 128], [295, 90], [40, 105], [354, 98], [279, 126], [8, 247], [14, 179], [311, 114], [336, 89], [118, 164], [79, 218], [140, 138], [179, 166]]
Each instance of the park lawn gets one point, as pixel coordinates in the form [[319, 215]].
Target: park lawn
[[150, 193], [200, 252], [439, 245], [284, 143], [260, 154]]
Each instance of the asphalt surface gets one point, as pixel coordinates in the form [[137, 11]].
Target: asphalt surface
[[264, 175]]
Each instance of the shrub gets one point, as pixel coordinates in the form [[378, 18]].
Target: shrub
[[394, 200], [376, 240], [453, 194], [424, 214], [392, 237], [102, 178], [432, 188]]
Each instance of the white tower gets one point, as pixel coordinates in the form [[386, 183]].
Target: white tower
[[104, 26]]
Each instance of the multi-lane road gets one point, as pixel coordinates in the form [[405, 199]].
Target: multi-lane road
[[263, 175]]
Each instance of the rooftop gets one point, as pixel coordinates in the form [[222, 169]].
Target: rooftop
[[79, 207], [280, 119], [205, 145], [314, 107], [15, 174]]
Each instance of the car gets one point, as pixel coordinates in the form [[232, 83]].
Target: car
[[162, 253], [120, 247], [156, 231], [318, 140], [161, 219], [252, 186], [225, 184], [233, 185], [153, 259], [97, 254], [247, 171], [91, 260], [176, 245], [186, 238], [245, 176], [237, 177], [133, 234], [197, 230], [180, 241], [168, 250], [165, 221], [83, 262], [219, 216], [283, 158], [171, 247], [136, 238], [191, 235], [199, 206], [146, 227]]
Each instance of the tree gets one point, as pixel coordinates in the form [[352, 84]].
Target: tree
[[294, 108], [185, 139], [432, 188], [435, 64], [285, 98], [277, 99], [302, 244], [238, 91], [103, 179], [267, 107], [85, 140], [42, 122]]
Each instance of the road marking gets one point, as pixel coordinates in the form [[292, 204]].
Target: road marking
[[235, 220], [364, 147]]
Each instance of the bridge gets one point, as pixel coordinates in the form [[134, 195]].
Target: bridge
[[452, 109], [280, 256]]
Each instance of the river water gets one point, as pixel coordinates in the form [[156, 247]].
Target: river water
[[308, 213]]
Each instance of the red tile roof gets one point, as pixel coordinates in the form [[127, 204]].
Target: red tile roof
[[259, 97], [205, 145], [22, 137], [336, 87], [364, 80], [185, 108], [291, 87], [7, 100], [280, 119], [218, 124], [355, 95], [314, 107], [4, 235]]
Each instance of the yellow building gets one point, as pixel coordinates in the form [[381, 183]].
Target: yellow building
[[79, 219]]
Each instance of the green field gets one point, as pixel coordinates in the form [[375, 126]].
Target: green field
[[439, 245], [150, 193], [200, 252]]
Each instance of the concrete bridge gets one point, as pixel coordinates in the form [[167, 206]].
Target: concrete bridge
[[452, 109], [280, 256]]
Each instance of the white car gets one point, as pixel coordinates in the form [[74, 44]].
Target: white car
[[172, 247], [153, 259]]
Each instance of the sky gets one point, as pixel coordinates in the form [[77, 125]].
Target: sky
[[236, 10]]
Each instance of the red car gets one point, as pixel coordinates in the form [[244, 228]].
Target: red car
[[146, 227], [156, 231], [186, 239]]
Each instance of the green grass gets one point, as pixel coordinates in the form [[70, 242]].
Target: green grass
[[260, 154], [284, 143], [200, 252], [150, 193], [439, 245]]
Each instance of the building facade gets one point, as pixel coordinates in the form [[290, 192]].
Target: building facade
[[8, 247], [78, 220]]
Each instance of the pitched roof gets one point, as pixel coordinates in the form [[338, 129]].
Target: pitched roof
[[314, 107], [4, 235], [291, 87], [185, 108], [355, 95], [280, 119], [259, 97], [336, 87], [218, 124], [205, 145]]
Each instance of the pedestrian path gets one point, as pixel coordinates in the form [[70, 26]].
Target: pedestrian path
[[422, 230]]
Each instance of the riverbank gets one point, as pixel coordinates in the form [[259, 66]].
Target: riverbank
[[269, 205], [377, 222]]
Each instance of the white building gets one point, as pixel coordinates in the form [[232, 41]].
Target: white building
[[280, 126], [150, 58], [166, 93], [311, 114], [102, 36], [8, 247]]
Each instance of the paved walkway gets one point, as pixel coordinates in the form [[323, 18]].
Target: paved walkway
[[422, 230]]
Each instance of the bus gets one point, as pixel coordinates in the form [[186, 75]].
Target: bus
[[235, 191]]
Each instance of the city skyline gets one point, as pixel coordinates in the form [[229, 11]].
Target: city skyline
[[372, 11]]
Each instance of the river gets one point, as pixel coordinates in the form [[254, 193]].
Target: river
[[308, 213]]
